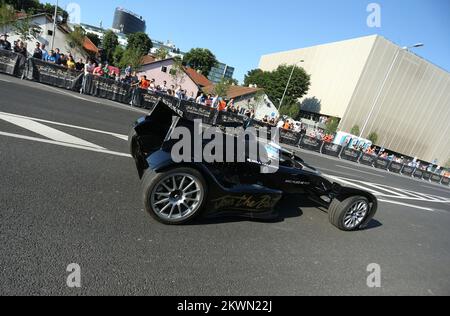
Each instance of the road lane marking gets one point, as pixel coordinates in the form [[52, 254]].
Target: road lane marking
[[357, 170], [407, 205], [411, 196], [47, 132], [354, 185], [104, 151], [120, 136]]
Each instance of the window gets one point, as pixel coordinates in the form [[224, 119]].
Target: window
[[164, 69]]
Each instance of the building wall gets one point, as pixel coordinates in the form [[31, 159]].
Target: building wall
[[334, 68], [413, 113], [60, 39], [154, 71]]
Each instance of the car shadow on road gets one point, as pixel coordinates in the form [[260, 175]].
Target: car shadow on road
[[287, 208]]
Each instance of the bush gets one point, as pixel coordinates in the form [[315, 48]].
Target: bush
[[355, 130], [373, 137]]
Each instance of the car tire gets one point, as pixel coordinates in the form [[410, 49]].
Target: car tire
[[167, 201], [350, 214]]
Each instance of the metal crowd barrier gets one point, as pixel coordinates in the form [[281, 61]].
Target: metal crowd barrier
[[58, 76]]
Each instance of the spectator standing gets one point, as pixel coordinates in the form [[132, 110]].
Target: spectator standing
[[4, 43], [134, 82], [98, 71], [20, 48], [58, 56], [44, 52], [38, 52], [79, 66], [71, 63], [51, 58]]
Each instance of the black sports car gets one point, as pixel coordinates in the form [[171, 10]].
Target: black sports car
[[176, 193]]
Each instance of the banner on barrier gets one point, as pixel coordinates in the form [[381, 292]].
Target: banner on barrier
[[290, 137], [350, 154], [194, 111], [109, 89], [367, 159], [147, 100], [408, 171], [445, 181], [229, 119], [436, 178], [54, 75], [418, 174], [310, 143], [395, 167], [331, 149], [427, 175], [11, 63], [381, 163]]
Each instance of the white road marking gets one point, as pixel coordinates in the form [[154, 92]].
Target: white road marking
[[360, 171], [407, 205], [408, 195], [123, 137], [47, 132], [354, 185], [104, 151]]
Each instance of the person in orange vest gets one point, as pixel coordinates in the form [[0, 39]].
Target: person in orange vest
[[287, 125], [222, 105]]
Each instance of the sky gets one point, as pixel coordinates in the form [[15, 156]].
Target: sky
[[239, 32]]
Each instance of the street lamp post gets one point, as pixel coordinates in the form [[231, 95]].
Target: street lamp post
[[289, 83], [380, 91], [54, 24]]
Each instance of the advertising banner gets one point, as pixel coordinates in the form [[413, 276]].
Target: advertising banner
[[445, 181], [408, 171], [427, 175], [331, 149], [367, 160], [350, 154], [109, 89], [395, 167], [54, 75], [381, 163], [436, 178], [418, 174], [11, 63], [290, 137], [310, 143]]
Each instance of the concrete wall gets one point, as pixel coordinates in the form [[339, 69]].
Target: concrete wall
[[413, 112], [334, 68], [154, 71]]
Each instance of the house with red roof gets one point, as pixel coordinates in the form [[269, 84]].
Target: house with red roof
[[170, 71]]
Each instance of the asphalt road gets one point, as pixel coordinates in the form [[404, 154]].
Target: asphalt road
[[64, 202]]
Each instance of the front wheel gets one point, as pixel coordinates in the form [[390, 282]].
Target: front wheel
[[349, 215], [174, 197]]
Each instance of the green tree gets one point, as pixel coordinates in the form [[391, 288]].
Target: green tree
[[131, 57], [200, 59], [373, 137], [291, 110], [76, 38], [95, 39], [6, 15], [109, 43], [274, 83], [161, 53], [117, 56], [332, 126], [355, 130], [221, 89], [139, 42], [35, 7], [177, 71]]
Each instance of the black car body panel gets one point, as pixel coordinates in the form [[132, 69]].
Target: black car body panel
[[239, 188]]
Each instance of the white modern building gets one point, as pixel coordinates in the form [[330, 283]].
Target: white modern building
[[409, 108]]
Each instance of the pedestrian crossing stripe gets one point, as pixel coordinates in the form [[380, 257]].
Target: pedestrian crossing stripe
[[384, 191]]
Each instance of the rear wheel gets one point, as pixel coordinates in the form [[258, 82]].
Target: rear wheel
[[350, 214], [174, 197]]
